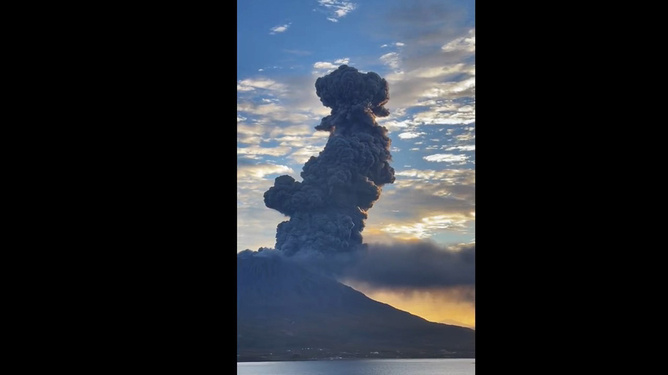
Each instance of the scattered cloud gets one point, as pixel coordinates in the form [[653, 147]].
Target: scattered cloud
[[251, 84], [397, 44], [447, 158], [254, 172], [427, 226], [391, 59], [425, 22], [463, 44], [410, 135], [256, 151], [425, 203], [441, 71], [302, 154], [394, 125], [460, 148], [324, 67], [436, 85], [445, 114], [337, 9], [437, 179], [465, 137], [257, 223], [279, 29], [272, 113], [434, 70]]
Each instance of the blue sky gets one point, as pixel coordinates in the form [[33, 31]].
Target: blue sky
[[426, 52]]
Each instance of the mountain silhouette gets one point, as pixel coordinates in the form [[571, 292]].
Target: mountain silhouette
[[286, 311]]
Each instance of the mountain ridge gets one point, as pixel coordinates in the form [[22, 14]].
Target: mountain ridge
[[287, 312]]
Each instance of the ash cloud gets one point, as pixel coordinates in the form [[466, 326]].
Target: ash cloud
[[414, 265], [327, 209]]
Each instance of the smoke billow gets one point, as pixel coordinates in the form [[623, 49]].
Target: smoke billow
[[327, 209], [414, 265]]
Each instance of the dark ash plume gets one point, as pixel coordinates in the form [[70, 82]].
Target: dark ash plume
[[328, 207], [414, 265]]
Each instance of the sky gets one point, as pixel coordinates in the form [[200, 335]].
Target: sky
[[421, 231]]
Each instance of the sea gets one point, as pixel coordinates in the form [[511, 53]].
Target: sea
[[436, 366]]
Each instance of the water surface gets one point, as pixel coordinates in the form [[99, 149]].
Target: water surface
[[436, 366]]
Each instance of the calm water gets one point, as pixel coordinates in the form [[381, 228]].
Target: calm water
[[440, 366]]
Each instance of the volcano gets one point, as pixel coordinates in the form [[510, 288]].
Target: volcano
[[288, 312], [289, 303]]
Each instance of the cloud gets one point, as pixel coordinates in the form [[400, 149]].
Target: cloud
[[394, 125], [337, 9], [254, 172], [251, 84], [436, 95], [434, 68], [445, 114], [254, 151], [275, 119], [273, 113], [323, 67], [463, 44], [249, 133], [280, 28], [447, 158], [255, 222], [460, 148], [432, 187], [441, 71], [304, 153], [299, 130], [427, 226], [391, 59], [244, 88], [425, 204], [466, 136], [414, 265], [295, 142], [427, 22], [397, 44], [410, 135]]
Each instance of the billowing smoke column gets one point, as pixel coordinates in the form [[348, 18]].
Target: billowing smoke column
[[328, 207]]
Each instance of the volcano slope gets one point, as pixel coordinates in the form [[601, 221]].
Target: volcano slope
[[288, 312]]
